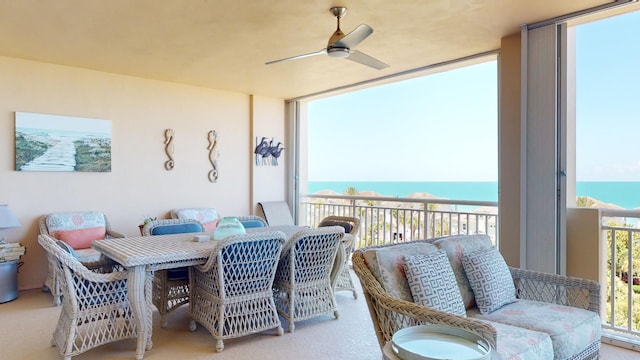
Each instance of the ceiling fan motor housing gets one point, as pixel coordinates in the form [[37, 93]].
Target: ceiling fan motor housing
[[338, 52]]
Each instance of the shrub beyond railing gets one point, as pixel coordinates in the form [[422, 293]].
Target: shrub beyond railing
[[386, 220], [620, 233]]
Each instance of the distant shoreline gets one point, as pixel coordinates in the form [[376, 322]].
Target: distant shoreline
[[625, 194]]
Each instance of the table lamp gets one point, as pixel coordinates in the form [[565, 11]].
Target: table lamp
[[7, 221]]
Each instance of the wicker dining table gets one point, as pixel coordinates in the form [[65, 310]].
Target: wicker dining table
[[142, 255]]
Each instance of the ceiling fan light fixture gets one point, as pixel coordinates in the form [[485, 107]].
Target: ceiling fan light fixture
[[338, 52]]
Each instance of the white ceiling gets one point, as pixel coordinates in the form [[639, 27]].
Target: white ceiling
[[223, 44]]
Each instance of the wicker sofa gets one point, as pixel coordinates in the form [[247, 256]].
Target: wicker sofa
[[550, 317]]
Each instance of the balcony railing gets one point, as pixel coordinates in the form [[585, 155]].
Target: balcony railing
[[620, 235], [385, 220]]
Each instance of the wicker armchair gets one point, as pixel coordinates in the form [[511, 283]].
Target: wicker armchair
[[302, 286], [342, 279], [95, 305], [171, 287], [390, 314], [81, 227], [231, 295]]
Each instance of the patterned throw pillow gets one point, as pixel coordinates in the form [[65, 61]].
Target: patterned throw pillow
[[433, 283], [490, 279], [391, 267], [456, 246]]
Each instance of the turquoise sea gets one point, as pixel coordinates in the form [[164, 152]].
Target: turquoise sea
[[624, 194]]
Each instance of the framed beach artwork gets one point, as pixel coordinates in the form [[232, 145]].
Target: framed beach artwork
[[62, 143]]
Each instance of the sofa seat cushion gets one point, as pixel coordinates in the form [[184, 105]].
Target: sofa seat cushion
[[387, 265], [571, 329], [456, 247], [515, 343]]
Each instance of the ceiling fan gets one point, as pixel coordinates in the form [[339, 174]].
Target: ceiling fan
[[342, 46]]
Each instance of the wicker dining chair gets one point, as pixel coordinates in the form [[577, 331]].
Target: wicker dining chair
[[208, 216], [342, 280], [252, 221], [302, 287], [171, 287], [231, 295], [77, 228], [95, 305]]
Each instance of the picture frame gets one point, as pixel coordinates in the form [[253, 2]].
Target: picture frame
[[47, 142]]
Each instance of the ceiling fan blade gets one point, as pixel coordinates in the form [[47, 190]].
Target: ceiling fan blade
[[321, 52], [354, 38], [364, 59]]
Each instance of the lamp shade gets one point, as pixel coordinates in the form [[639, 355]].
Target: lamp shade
[[7, 218]]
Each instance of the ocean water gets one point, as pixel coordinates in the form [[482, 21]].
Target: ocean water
[[623, 194]]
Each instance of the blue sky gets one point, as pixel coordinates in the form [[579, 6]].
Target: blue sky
[[443, 127], [414, 130], [60, 122], [607, 97]]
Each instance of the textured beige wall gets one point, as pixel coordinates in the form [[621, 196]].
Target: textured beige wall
[[138, 185], [585, 253], [268, 121], [509, 149]]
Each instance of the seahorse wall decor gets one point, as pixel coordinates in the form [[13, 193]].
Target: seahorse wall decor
[[168, 148], [267, 152], [213, 155]]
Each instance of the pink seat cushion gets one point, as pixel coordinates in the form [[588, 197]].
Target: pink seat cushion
[[81, 238]]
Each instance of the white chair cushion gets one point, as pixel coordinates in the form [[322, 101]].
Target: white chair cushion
[[87, 255], [433, 283]]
